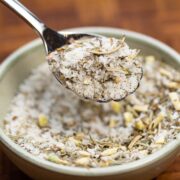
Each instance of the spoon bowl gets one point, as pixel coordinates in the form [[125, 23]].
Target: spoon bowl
[[53, 40]]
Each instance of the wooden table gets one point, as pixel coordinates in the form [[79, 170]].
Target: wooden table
[[157, 18]]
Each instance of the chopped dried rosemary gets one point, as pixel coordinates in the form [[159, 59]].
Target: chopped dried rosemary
[[56, 125]]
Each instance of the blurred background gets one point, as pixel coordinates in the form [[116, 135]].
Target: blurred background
[[157, 18]]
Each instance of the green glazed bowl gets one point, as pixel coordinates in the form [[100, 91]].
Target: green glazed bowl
[[18, 66]]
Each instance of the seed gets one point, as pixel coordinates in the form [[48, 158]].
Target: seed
[[79, 136], [109, 152], [84, 161], [87, 81], [103, 163], [61, 77], [84, 153], [175, 100], [160, 140], [166, 73], [61, 48], [173, 85], [140, 108], [77, 142], [42, 121], [128, 116], [116, 107], [69, 123], [150, 59], [54, 158], [117, 79], [112, 123], [123, 148], [139, 125], [14, 117], [177, 105]]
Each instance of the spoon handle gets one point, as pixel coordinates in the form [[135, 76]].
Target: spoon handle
[[51, 39], [26, 15]]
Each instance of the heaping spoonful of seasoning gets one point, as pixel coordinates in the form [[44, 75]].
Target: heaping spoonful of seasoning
[[94, 67]]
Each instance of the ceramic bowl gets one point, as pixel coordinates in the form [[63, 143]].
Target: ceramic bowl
[[17, 67]]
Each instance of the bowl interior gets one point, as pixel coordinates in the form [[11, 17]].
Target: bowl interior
[[19, 65]]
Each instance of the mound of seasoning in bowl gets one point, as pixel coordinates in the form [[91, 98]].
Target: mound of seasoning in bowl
[[53, 124], [98, 68]]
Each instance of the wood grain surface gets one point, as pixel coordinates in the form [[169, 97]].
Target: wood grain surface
[[157, 18]]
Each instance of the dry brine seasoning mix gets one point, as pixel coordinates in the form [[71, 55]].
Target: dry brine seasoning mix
[[54, 124], [98, 68]]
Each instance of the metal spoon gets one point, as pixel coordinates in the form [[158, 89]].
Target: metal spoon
[[51, 38]]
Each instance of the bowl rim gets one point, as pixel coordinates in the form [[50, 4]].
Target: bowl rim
[[112, 170]]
